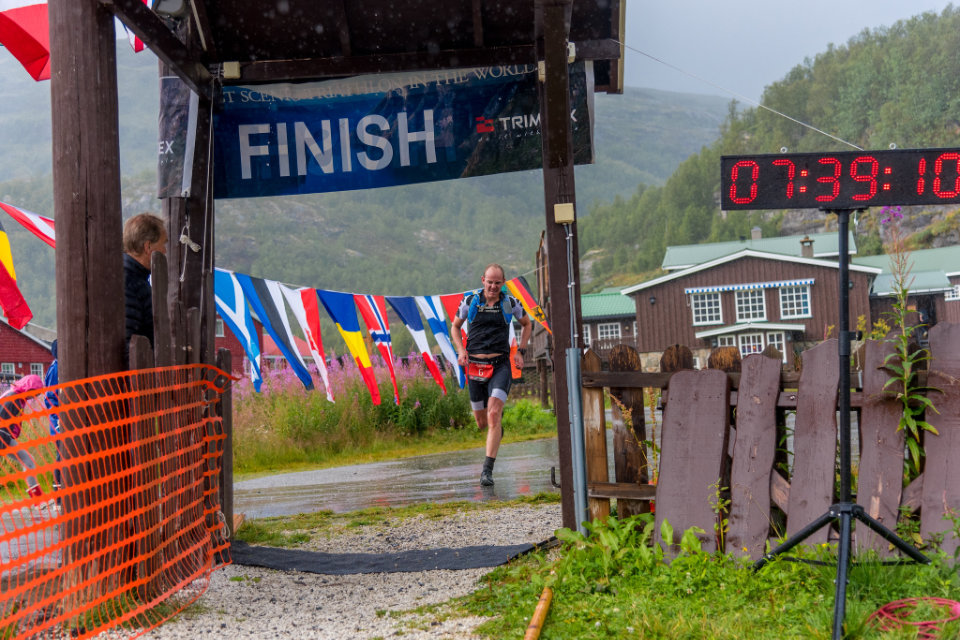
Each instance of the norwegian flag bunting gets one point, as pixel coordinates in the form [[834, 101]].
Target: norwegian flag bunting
[[406, 308], [373, 310], [432, 310]]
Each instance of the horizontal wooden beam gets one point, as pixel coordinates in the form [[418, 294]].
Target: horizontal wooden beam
[[341, 66], [623, 490], [162, 42]]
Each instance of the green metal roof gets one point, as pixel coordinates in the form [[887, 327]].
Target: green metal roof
[[946, 259], [687, 255], [606, 305], [928, 270]]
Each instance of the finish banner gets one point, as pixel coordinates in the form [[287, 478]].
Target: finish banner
[[375, 131]]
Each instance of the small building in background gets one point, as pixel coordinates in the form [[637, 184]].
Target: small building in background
[[609, 318], [743, 297], [933, 281], [238, 357], [22, 352]]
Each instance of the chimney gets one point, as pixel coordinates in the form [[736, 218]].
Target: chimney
[[806, 247], [756, 233]]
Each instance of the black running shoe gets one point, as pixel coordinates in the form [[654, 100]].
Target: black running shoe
[[486, 478]]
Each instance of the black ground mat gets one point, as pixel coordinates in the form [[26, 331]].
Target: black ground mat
[[398, 562]]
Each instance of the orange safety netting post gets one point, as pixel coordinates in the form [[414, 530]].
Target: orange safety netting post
[[110, 519]]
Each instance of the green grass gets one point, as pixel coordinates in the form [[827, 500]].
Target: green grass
[[615, 585], [286, 429]]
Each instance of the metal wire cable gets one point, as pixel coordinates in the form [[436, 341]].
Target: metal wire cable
[[737, 95]]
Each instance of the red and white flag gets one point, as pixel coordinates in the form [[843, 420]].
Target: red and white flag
[[38, 225], [135, 42], [25, 32]]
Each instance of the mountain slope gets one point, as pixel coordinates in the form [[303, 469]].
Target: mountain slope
[[419, 239]]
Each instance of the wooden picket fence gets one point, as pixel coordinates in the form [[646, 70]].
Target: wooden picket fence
[[722, 439]]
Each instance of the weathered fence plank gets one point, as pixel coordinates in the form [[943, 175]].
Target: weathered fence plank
[[940, 495], [693, 448], [595, 439], [814, 440], [629, 456], [753, 453], [880, 479]]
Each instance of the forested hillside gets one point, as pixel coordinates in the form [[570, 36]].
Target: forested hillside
[[421, 239], [896, 85]]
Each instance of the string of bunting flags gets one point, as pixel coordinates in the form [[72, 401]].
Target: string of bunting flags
[[242, 299]]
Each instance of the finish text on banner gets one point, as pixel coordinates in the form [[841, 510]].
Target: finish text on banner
[[384, 130]]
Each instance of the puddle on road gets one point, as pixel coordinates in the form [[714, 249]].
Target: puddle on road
[[523, 468]]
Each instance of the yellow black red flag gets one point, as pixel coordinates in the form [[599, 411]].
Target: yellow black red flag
[[15, 308], [520, 290]]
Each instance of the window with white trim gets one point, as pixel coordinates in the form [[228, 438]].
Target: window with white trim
[[751, 305], [608, 331], [778, 340], [586, 335], [7, 368], [795, 302], [750, 343], [706, 308], [219, 328], [36, 369], [726, 341], [952, 294]]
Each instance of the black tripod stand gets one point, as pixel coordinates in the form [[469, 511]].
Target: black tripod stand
[[846, 510]]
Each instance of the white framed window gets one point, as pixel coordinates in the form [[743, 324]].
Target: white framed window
[[795, 302], [219, 328], [952, 294], [750, 343], [696, 362], [608, 331], [778, 340], [751, 305], [706, 308], [7, 368], [726, 341], [586, 335], [36, 368]]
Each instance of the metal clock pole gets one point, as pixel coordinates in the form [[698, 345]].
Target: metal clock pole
[[846, 510]]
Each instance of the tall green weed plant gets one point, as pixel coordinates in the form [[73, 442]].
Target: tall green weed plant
[[907, 358]]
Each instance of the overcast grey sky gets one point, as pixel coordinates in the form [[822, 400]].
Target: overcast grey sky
[[744, 45]]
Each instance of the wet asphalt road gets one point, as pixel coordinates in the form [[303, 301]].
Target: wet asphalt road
[[522, 468]]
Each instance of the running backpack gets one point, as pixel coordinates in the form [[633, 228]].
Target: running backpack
[[474, 299]]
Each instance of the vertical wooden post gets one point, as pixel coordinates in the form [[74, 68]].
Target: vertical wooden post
[[192, 214], [629, 452], [89, 272], [86, 179], [558, 187], [595, 438]]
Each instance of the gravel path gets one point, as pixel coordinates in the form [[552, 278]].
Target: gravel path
[[250, 602]]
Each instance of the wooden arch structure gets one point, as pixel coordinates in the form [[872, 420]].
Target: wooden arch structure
[[212, 43]]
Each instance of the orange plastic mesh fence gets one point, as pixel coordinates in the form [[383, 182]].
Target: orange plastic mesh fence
[[111, 521]]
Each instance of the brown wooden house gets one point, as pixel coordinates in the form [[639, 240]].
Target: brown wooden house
[[749, 299], [933, 281], [22, 353]]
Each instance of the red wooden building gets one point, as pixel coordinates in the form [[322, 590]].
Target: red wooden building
[[22, 353], [226, 340], [749, 299]]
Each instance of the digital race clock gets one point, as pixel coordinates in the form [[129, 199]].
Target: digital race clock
[[849, 180]]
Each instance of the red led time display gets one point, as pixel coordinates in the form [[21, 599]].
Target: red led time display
[[848, 180]]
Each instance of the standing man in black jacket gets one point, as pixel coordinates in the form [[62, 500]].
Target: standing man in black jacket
[[142, 235]]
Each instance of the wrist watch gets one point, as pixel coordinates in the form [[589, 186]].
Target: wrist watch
[[522, 350]]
